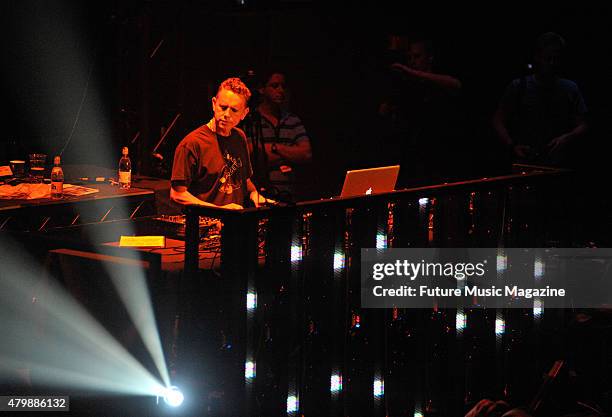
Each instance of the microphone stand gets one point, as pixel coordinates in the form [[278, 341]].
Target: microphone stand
[[158, 158]]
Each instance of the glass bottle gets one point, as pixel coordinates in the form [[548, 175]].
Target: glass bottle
[[57, 179], [125, 170]]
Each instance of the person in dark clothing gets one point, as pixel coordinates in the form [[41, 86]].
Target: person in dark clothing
[[541, 115], [420, 116]]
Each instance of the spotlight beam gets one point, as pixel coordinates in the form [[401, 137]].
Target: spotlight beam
[[132, 288], [56, 338]]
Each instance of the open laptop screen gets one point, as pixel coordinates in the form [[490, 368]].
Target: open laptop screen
[[370, 181]]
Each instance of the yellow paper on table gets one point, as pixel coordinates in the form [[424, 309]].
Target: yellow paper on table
[[143, 241]]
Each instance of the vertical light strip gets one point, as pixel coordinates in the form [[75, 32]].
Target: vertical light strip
[[378, 387], [502, 263], [538, 269], [296, 253], [381, 241], [500, 325], [251, 301], [250, 370], [338, 261], [335, 385], [460, 321], [538, 308], [293, 404]]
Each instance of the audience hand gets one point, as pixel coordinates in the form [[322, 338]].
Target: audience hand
[[488, 408], [557, 142], [521, 151]]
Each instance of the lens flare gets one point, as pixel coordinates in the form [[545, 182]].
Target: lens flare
[[174, 397]]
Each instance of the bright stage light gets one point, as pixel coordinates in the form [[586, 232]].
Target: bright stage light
[[249, 370], [336, 383], [293, 404], [378, 387], [381, 241], [174, 397], [251, 300], [460, 321], [55, 338], [500, 327], [338, 261], [538, 308], [296, 253]]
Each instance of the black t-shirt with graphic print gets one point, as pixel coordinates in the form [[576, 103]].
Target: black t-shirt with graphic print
[[214, 168]]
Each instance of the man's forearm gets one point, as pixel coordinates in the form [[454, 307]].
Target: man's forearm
[[577, 131], [185, 197], [300, 153], [254, 195], [441, 80]]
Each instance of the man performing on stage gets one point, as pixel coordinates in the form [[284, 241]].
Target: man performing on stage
[[211, 164]]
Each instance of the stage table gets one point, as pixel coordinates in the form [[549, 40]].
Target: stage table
[[109, 203]]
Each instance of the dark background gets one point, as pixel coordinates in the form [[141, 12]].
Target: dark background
[[128, 67]]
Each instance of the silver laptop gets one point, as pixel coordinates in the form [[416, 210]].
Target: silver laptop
[[370, 181]]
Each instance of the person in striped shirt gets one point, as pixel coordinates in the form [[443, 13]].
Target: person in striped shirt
[[279, 142]]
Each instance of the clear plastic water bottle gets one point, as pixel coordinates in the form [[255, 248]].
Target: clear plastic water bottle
[[57, 179], [125, 170]]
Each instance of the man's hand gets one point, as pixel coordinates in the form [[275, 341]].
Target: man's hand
[[269, 201], [444, 81], [558, 142], [521, 151], [259, 199], [232, 206]]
